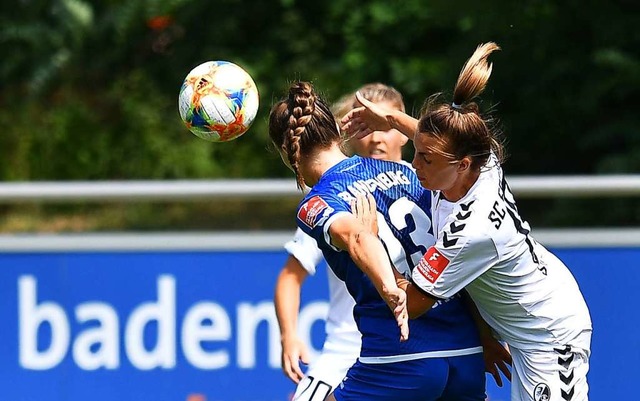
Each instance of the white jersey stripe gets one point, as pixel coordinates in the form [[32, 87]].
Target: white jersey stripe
[[420, 355]]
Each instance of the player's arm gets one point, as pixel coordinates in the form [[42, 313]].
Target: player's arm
[[368, 253], [418, 302], [362, 121], [287, 304], [364, 210]]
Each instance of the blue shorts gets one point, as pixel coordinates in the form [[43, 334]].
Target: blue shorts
[[459, 378]]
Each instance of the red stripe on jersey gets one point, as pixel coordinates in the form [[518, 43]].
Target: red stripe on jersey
[[311, 210], [432, 265]]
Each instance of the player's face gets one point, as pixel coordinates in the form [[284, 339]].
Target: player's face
[[384, 145], [435, 171]]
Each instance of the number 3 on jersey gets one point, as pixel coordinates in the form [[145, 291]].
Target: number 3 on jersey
[[406, 254]]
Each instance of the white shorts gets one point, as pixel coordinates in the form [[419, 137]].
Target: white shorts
[[324, 374], [556, 375]]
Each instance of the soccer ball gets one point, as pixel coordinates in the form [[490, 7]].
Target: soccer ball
[[218, 101]]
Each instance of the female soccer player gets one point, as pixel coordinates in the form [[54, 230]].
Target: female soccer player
[[442, 360], [526, 294], [342, 343]]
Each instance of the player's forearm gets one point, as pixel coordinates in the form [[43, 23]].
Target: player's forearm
[[403, 123], [287, 305], [369, 254], [418, 303]]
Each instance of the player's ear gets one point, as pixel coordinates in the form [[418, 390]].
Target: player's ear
[[464, 164], [404, 140], [284, 157]]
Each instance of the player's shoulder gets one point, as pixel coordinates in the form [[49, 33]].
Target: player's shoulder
[[387, 164], [470, 208], [464, 226], [319, 204], [390, 173], [469, 218]]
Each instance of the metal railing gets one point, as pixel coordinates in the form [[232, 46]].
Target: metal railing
[[191, 190], [185, 190], [262, 240]]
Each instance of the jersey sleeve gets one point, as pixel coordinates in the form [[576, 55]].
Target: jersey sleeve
[[316, 213], [454, 262], [305, 249]]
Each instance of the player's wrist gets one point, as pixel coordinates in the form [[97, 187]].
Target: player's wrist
[[287, 338], [392, 118], [402, 122]]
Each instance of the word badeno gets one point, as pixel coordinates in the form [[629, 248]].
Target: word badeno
[[205, 332]]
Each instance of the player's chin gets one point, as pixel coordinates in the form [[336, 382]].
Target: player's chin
[[425, 183]]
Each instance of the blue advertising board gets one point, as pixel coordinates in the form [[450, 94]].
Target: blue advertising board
[[200, 325]]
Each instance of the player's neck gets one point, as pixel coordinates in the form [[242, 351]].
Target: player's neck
[[314, 166]]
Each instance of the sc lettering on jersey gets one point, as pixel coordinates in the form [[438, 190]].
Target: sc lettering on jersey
[[432, 265]]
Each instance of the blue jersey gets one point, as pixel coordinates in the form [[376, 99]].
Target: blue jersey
[[404, 223]]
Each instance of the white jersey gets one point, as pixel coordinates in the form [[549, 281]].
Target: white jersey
[[521, 289], [342, 332]]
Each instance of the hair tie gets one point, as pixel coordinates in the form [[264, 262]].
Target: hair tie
[[456, 106]]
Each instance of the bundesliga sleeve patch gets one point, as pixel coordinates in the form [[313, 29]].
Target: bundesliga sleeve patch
[[310, 212], [432, 265]]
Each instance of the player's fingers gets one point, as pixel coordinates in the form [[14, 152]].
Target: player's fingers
[[496, 376], [351, 115], [401, 303], [288, 371], [295, 373], [402, 318], [347, 118], [373, 214], [304, 356], [346, 127], [505, 370], [363, 204], [371, 203], [361, 130], [362, 100], [404, 330], [358, 207]]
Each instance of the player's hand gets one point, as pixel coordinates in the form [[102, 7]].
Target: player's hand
[[364, 208], [363, 120], [396, 299], [496, 358], [293, 352]]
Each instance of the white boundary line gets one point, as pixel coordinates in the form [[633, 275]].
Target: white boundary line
[[262, 240]]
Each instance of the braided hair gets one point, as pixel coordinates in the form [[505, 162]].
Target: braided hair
[[301, 124]]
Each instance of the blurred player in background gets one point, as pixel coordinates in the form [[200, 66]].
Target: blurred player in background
[[523, 291], [443, 358], [342, 343]]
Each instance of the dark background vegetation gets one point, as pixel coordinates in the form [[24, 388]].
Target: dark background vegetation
[[89, 92]]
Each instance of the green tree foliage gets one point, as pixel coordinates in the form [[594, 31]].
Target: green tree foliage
[[89, 89]]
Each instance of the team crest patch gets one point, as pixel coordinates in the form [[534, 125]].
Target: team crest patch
[[432, 265], [541, 392], [310, 212]]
